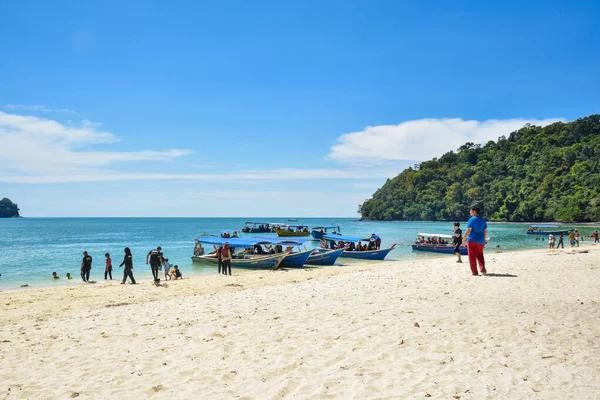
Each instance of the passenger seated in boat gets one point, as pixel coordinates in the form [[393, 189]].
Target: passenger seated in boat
[[278, 248], [305, 229], [198, 249], [341, 244], [371, 245], [225, 235], [258, 249], [236, 234], [323, 243], [351, 247], [289, 249]]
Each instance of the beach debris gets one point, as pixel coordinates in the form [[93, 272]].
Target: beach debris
[[117, 305], [402, 342], [531, 331], [25, 285], [157, 388], [456, 397], [427, 395], [417, 325], [74, 394]]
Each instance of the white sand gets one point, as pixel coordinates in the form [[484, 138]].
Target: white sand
[[332, 332]]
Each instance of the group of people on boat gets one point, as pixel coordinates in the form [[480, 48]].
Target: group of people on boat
[[290, 228], [432, 240], [373, 243], [226, 235]]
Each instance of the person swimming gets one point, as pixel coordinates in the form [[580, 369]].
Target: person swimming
[[69, 276], [55, 276]]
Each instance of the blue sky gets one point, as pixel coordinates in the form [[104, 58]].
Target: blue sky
[[231, 108]]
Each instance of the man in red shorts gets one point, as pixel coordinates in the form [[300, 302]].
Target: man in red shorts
[[477, 237]]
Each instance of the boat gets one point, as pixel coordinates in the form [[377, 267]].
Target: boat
[[258, 227], [292, 230], [241, 251], [324, 256], [292, 220], [293, 259], [362, 254], [318, 231], [447, 248], [546, 229]]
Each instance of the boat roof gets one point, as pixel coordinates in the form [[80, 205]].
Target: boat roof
[[233, 242], [284, 241], [345, 238], [439, 235], [326, 227], [545, 226]]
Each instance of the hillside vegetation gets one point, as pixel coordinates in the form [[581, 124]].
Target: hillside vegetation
[[535, 174], [8, 209]]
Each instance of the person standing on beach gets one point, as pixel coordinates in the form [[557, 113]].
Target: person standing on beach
[[156, 259], [128, 263], [596, 239], [577, 237], [457, 240], [561, 240], [476, 237], [226, 258], [108, 268], [572, 238], [86, 266], [551, 240]]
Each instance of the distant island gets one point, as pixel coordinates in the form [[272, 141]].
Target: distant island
[[535, 174], [8, 209]]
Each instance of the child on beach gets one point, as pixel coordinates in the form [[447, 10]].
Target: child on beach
[[176, 273], [167, 268], [54, 276], [108, 269]]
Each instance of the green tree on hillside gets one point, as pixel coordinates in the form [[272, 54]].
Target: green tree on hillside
[[8, 209], [535, 174]]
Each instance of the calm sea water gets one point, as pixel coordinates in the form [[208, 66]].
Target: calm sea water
[[32, 248]]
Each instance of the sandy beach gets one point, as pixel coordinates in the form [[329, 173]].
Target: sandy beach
[[388, 330]]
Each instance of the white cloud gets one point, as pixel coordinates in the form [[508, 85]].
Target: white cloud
[[38, 108], [421, 139], [34, 148]]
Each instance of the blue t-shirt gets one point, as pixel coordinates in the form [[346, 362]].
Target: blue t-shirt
[[478, 227]]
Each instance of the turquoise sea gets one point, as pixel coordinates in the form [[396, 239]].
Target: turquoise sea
[[32, 248]]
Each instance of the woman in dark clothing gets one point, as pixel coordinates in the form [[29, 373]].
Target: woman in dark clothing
[[128, 262]]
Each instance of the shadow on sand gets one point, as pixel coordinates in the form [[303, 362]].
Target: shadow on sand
[[502, 275]]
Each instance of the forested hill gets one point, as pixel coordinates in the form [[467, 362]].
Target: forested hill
[[8, 209], [535, 174]]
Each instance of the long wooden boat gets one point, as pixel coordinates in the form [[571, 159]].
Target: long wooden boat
[[258, 227], [324, 256], [362, 254], [242, 259], [545, 229], [294, 258], [448, 248], [318, 231], [292, 230]]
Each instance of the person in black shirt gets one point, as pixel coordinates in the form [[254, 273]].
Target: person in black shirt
[[156, 259], [86, 266], [457, 240], [128, 262]]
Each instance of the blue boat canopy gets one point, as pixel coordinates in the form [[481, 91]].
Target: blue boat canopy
[[345, 238], [233, 242], [326, 227], [283, 240]]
